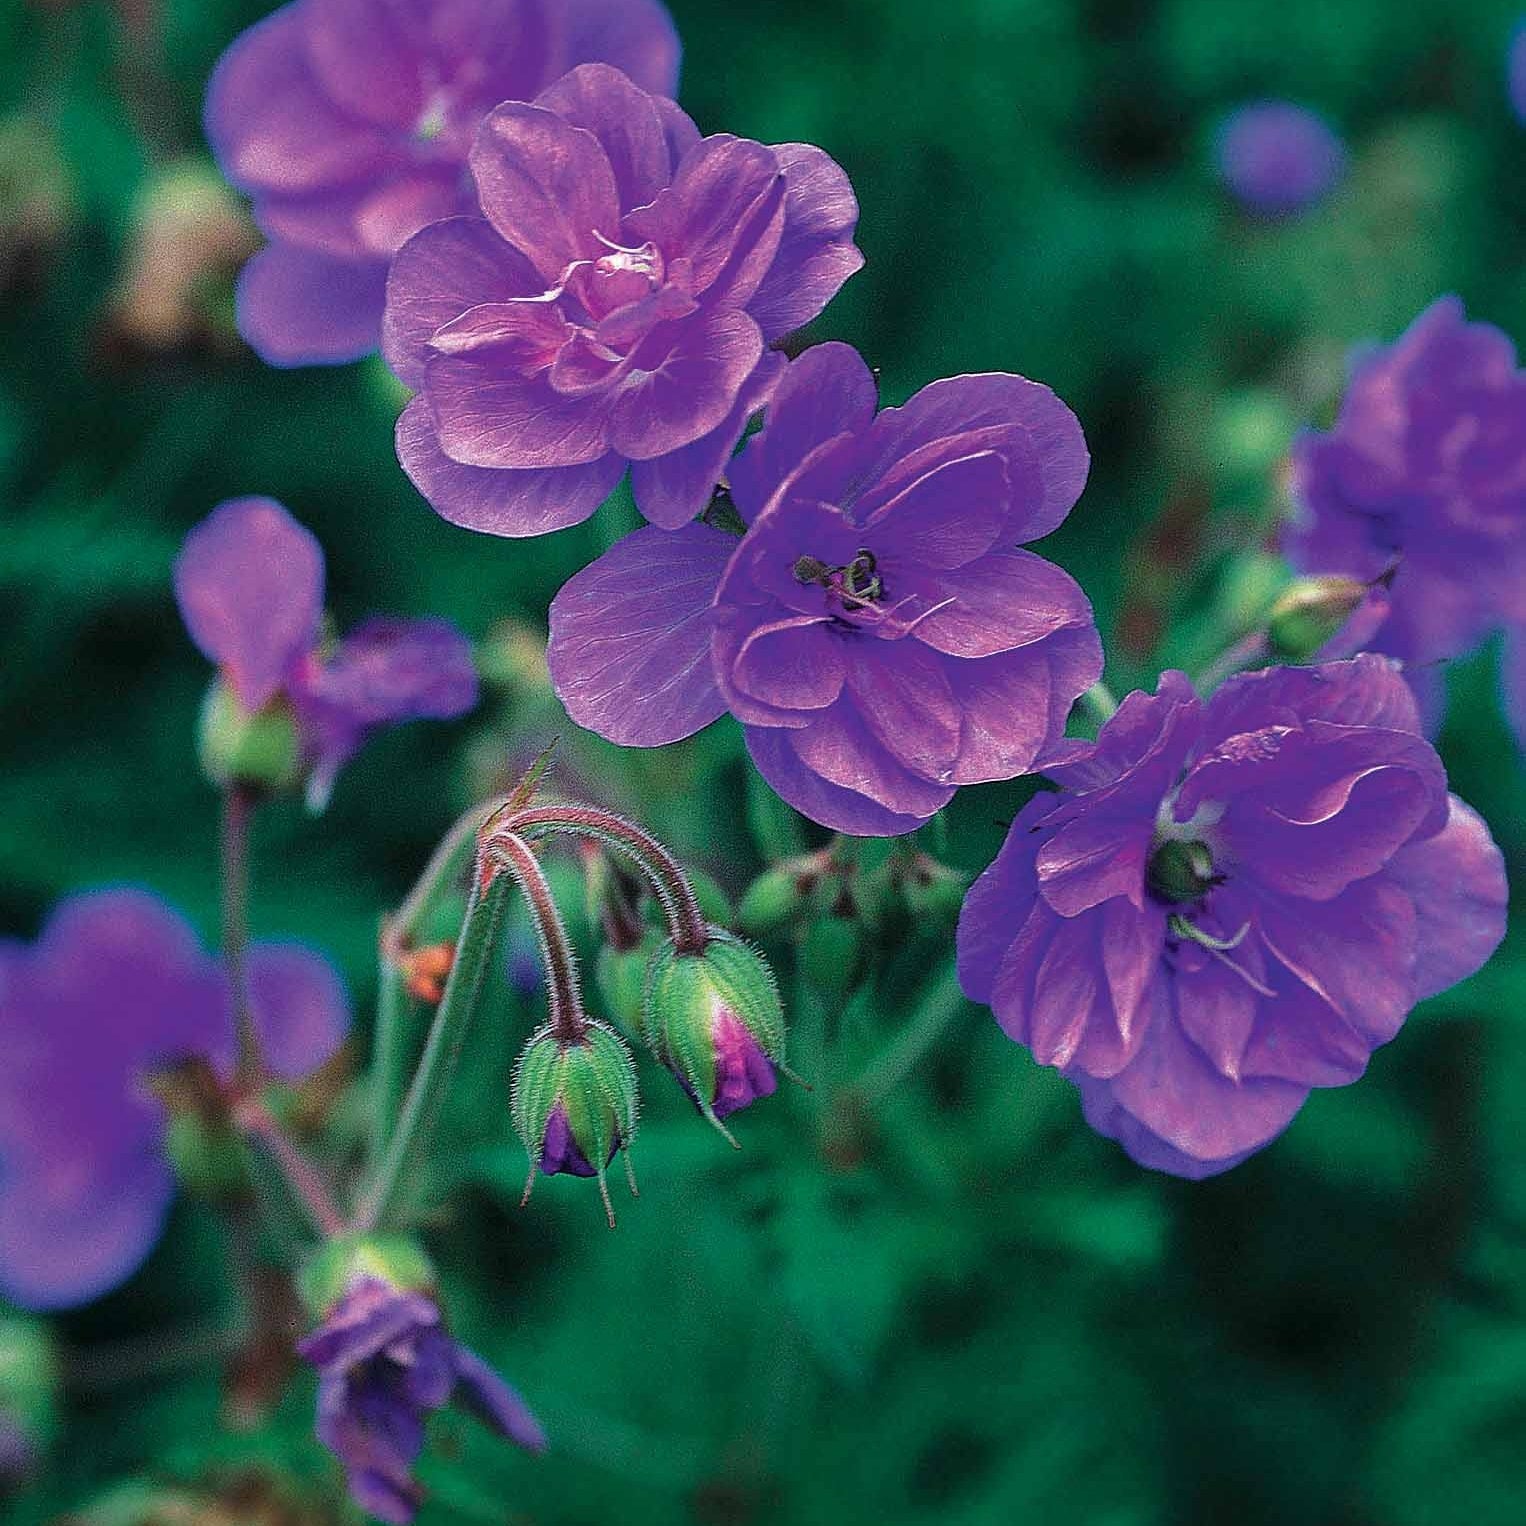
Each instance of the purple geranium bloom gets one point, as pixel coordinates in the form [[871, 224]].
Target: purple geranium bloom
[[348, 123], [386, 1362], [115, 989], [876, 630], [1422, 482], [614, 303], [249, 581], [1231, 902], [1278, 158]]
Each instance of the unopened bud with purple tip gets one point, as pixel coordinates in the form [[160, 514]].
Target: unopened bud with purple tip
[[715, 1020], [385, 1363], [574, 1103]]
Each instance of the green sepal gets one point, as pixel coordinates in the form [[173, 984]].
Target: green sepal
[[261, 750], [395, 1259]]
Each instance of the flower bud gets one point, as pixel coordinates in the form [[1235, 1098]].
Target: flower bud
[[342, 1263], [261, 750], [1311, 612], [773, 899], [932, 891], [714, 1019], [574, 1103]]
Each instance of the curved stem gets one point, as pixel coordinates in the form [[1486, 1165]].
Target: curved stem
[[239, 803], [671, 885], [258, 1124], [940, 1005], [1244, 653], [1099, 704], [564, 997]]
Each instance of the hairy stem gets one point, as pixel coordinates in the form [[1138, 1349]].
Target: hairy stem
[[669, 883], [257, 1124], [563, 995], [239, 803]]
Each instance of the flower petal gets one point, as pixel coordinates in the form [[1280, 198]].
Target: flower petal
[[629, 654], [624, 119], [296, 307], [545, 185], [500, 501], [945, 519], [299, 1005], [816, 253], [636, 36], [498, 1406], [249, 582], [1008, 600], [366, 59]]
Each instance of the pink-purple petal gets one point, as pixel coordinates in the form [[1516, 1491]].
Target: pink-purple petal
[[297, 307]]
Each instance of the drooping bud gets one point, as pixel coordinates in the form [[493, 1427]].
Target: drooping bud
[[574, 1103], [259, 749], [715, 1020], [1311, 612]]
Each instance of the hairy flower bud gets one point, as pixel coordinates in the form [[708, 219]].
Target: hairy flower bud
[[574, 1103], [714, 1019], [258, 748]]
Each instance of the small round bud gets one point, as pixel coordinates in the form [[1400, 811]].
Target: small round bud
[[714, 1019], [574, 1103], [395, 1260], [261, 750], [1310, 613], [932, 891], [776, 896]]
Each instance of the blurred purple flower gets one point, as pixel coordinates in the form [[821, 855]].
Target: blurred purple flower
[[249, 581], [348, 122], [116, 988], [385, 1363], [1423, 481], [613, 304], [1277, 158], [875, 630], [1231, 902]]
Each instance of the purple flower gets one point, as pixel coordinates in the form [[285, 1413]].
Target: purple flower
[[1277, 158], [385, 1363], [612, 304], [1422, 481], [876, 630], [249, 581], [1231, 902], [117, 988], [348, 122], [1515, 70]]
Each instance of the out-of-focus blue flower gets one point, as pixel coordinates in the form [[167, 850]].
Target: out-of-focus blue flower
[[1277, 158], [249, 581], [348, 123], [115, 989], [1422, 484], [385, 1363], [1231, 902]]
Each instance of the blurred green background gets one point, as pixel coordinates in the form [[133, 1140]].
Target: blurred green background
[[923, 1292]]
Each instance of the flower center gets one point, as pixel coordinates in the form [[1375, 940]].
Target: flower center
[[1180, 872], [855, 587], [644, 260]]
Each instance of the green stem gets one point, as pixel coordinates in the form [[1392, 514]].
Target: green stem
[[258, 1125], [941, 1004], [1244, 653], [239, 803], [671, 885], [396, 1179], [397, 1026], [1099, 704]]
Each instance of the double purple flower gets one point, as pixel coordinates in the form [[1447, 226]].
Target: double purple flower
[[115, 989], [249, 581], [1231, 902], [876, 629], [613, 303], [1423, 481], [386, 1363], [348, 123]]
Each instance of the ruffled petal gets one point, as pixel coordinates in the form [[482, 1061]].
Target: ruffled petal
[[624, 118], [629, 654], [494, 501], [636, 36], [296, 307], [1010, 599]]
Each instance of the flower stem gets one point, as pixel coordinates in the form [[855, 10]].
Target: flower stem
[[563, 995], [256, 1122], [1099, 704], [398, 1024], [396, 1178], [941, 1004], [239, 803], [671, 885], [1248, 650]]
